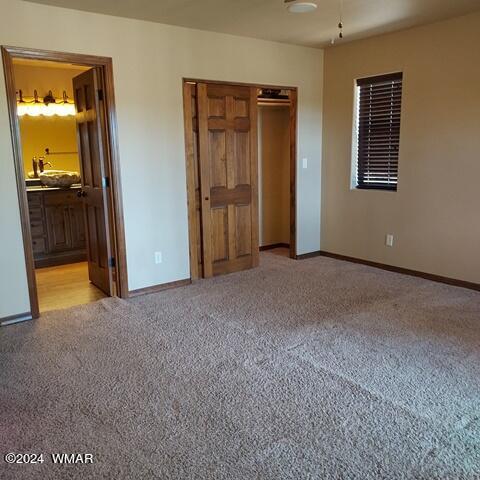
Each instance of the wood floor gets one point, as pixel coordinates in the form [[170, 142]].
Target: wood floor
[[65, 286]]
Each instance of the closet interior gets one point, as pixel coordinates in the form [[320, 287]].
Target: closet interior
[[274, 169]]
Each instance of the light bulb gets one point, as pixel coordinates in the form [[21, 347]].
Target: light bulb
[[34, 110], [21, 109], [49, 110], [59, 110], [65, 109], [70, 107]]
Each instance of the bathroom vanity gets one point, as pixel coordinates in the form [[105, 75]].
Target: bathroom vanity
[[57, 225]]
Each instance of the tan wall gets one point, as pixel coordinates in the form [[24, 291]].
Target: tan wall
[[56, 133], [149, 62], [274, 172], [435, 213], [30, 77]]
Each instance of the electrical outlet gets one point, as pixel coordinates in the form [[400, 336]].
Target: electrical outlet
[[305, 162], [389, 240], [158, 257]]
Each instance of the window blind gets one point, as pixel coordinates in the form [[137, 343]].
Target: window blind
[[380, 104]]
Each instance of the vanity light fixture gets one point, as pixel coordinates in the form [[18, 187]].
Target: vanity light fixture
[[50, 106], [300, 6], [64, 107], [49, 98], [21, 105], [49, 102], [34, 108]]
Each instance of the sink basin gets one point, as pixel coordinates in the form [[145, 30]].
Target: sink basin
[[59, 178]]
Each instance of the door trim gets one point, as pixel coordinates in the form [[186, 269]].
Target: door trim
[[190, 174], [113, 164]]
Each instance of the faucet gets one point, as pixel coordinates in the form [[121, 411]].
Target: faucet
[[35, 167], [42, 164]]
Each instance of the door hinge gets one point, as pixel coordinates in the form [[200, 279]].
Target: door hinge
[[111, 262], [106, 182], [100, 94]]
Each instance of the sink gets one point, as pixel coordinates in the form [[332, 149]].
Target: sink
[[59, 178]]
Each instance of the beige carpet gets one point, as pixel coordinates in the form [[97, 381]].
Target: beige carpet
[[315, 369]]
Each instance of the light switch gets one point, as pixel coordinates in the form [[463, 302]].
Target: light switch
[[305, 162], [389, 240], [158, 257]]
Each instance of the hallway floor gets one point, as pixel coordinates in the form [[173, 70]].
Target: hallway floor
[[65, 286]]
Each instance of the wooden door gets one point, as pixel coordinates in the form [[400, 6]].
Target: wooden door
[[91, 149], [193, 180], [227, 125]]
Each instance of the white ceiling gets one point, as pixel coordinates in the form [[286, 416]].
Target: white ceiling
[[268, 19]]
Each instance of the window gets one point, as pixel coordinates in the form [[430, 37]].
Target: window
[[378, 131]]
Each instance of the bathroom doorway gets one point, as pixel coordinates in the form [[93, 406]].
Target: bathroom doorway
[[62, 118]]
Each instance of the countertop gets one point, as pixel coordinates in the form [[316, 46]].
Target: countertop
[[40, 188]]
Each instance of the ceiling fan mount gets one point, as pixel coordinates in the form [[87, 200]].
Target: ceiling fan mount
[[300, 6]]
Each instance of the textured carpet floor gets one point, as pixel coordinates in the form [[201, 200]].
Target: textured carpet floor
[[315, 369]]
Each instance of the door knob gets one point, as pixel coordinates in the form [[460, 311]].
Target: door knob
[[206, 198], [81, 193]]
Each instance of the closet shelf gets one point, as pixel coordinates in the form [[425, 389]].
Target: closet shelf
[[273, 102]]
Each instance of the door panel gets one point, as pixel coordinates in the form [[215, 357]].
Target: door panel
[[242, 149], [58, 227], [93, 254], [219, 234], [218, 156], [91, 142], [243, 230], [227, 116]]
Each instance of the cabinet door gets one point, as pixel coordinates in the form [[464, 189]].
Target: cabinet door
[[58, 227], [77, 224]]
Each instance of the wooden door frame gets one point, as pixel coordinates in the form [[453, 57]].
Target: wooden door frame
[[189, 160], [113, 165]]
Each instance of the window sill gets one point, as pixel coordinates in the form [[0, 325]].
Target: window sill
[[375, 187]]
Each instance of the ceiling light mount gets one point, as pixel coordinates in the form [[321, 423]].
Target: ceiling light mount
[[300, 6]]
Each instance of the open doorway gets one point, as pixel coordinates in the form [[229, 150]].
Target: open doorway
[[228, 130], [63, 128]]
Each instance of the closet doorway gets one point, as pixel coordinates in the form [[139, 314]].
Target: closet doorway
[[241, 166], [274, 170]]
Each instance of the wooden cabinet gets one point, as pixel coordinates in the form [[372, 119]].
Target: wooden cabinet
[[77, 226], [57, 226]]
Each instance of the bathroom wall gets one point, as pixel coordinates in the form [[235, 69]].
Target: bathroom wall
[[56, 133], [149, 62], [274, 175]]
